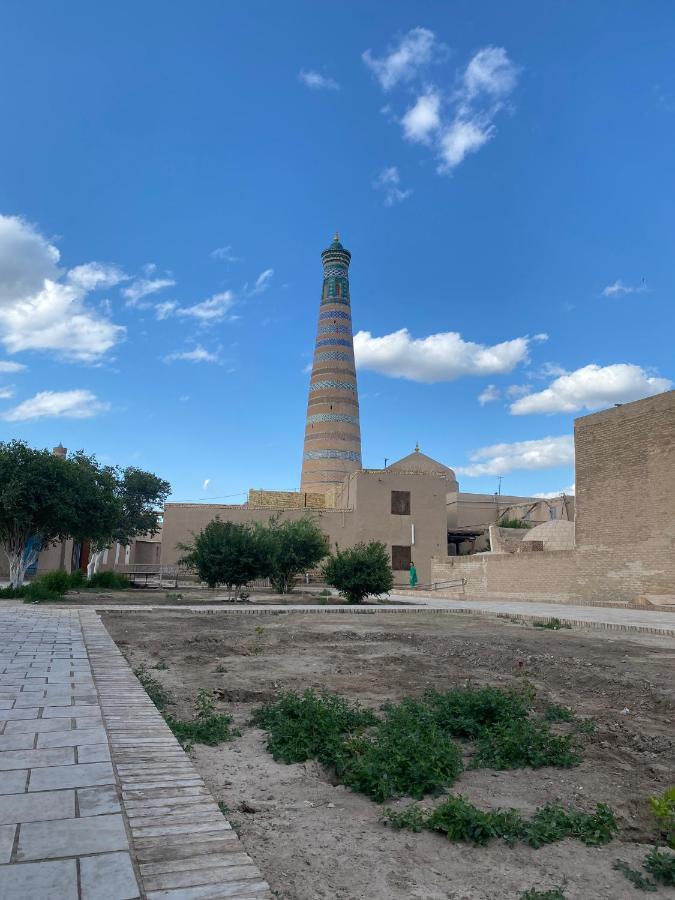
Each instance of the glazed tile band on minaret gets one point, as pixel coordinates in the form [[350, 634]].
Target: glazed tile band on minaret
[[332, 432]]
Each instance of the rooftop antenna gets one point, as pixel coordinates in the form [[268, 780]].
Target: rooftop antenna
[[499, 485]]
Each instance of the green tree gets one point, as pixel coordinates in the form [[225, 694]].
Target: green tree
[[43, 499], [131, 505], [360, 571], [291, 548], [228, 553]]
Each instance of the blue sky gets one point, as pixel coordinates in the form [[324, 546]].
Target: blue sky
[[170, 172]]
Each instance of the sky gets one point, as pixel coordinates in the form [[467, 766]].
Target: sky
[[170, 172]]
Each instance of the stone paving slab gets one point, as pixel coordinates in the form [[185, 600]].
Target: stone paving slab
[[98, 801]]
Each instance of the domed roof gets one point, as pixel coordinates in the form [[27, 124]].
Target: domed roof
[[420, 462], [558, 534]]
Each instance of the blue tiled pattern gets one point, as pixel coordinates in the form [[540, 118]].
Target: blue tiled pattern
[[327, 300], [333, 342], [337, 385], [333, 355], [335, 329], [350, 455], [332, 417], [335, 271], [336, 314]]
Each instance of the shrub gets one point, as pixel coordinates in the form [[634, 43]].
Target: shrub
[[291, 548], [360, 571], [57, 581], [405, 753], [228, 553], [207, 726], [553, 823], [663, 808], [514, 523], [553, 624], [108, 580], [310, 726], [77, 579], [519, 743], [467, 712]]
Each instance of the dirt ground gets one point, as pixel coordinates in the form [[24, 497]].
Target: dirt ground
[[313, 839], [194, 596]]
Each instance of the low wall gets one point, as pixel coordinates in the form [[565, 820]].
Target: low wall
[[560, 575]]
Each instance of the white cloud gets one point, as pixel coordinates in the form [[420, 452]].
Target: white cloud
[[618, 289], [318, 82], [489, 394], [461, 137], [206, 483], [166, 309], [6, 393], [416, 49], [10, 367], [490, 71], [462, 120], [208, 310], [517, 390], [498, 459], [143, 287], [263, 281], [198, 355], [422, 119], [95, 276], [39, 310], [77, 404], [389, 182], [438, 357], [592, 387], [551, 495], [225, 253]]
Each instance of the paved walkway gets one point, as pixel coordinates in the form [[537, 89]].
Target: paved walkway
[[97, 799], [605, 618]]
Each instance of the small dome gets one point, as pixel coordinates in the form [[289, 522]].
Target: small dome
[[558, 534], [419, 462]]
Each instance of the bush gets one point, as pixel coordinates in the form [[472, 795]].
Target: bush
[[289, 549], [360, 571], [556, 713], [663, 808], [556, 893], [77, 579], [514, 523], [108, 580], [228, 553], [207, 726], [467, 712], [310, 726], [553, 624], [57, 581], [521, 742], [406, 753]]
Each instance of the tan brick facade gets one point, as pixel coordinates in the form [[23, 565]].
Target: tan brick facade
[[625, 518]]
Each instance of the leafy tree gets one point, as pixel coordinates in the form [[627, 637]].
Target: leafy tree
[[43, 499], [291, 548], [228, 553], [131, 502], [360, 571]]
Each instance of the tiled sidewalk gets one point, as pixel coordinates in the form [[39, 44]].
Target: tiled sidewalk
[[77, 821]]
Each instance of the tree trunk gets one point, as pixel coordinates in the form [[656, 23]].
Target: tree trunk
[[92, 566]]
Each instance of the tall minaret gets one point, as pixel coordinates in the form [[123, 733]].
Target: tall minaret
[[332, 434]]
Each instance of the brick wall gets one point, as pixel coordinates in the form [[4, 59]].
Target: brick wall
[[625, 518]]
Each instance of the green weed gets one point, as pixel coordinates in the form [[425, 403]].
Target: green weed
[[207, 726], [468, 712], [160, 666], [663, 808], [661, 866], [556, 893], [108, 580], [553, 624], [170, 595], [556, 713], [520, 743], [220, 669], [637, 879], [460, 820], [153, 688]]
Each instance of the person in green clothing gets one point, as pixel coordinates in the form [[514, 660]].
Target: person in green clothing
[[413, 575]]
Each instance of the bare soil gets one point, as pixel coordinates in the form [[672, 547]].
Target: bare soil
[[315, 839], [196, 596]]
